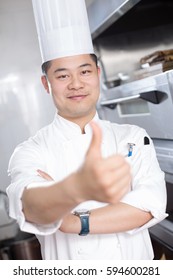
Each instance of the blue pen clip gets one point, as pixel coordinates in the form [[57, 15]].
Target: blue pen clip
[[131, 145]]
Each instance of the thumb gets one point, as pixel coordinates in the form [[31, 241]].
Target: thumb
[[94, 149]]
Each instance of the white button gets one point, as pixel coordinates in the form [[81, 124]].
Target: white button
[[80, 251]]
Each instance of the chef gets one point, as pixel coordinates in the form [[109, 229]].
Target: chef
[[87, 188]]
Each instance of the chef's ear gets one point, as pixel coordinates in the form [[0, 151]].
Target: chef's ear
[[99, 71], [45, 83]]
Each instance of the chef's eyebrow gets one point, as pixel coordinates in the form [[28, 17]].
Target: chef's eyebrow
[[60, 70], [84, 65], [66, 69]]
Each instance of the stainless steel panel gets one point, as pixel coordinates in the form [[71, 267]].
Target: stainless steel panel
[[157, 120], [120, 54], [163, 232], [24, 105], [103, 13], [164, 151]]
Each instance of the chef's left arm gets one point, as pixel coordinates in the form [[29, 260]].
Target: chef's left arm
[[119, 217], [113, 218], [141, 208]]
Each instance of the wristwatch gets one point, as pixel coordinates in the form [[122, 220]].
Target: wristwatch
[[83, 214]]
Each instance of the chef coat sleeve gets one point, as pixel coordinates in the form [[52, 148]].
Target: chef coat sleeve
[[148, 190], [23, 165]]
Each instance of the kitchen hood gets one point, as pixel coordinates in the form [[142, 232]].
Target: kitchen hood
[[102, 14]]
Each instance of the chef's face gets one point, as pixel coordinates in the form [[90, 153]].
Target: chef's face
[[73, 83]]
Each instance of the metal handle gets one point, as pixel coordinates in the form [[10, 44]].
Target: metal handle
[[153, 96]]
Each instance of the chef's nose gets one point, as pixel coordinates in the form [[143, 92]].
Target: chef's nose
[[76, 82]]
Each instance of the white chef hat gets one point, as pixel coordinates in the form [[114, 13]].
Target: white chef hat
[[62, 27]]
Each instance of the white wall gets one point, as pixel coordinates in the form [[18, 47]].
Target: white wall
[[24, 105]]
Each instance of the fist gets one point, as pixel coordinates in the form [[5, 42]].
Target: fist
[[103, 179]]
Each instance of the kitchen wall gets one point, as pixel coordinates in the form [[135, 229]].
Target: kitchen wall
[[24, 105]]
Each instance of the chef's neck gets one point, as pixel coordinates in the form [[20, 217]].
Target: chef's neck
[[81, 121]]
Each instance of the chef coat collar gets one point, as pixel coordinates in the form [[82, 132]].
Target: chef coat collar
[[71, 128]]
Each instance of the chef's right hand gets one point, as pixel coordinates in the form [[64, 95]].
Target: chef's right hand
[[103, 179]]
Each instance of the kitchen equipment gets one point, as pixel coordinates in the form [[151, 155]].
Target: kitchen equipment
[[146, 102], [8, 226], [125, 104], [14, 244], [24, 246]]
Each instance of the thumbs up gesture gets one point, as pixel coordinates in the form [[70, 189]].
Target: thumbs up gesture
[[103, 179]]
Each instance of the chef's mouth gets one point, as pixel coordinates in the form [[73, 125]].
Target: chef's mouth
[[78, 97]]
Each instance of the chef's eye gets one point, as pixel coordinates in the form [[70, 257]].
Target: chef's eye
[[63, 77], [86, 72]]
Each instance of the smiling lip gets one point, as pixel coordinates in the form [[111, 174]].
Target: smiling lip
[[77, 97]]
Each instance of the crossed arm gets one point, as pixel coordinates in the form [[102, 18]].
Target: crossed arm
[[113, 218], [105, 180]]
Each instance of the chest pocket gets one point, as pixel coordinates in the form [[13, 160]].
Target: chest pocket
[[126, 146]]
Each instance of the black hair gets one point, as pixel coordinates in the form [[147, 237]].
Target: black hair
[[94, 58], [46, 65]]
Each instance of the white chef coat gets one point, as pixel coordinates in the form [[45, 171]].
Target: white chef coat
[[59, 149]]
